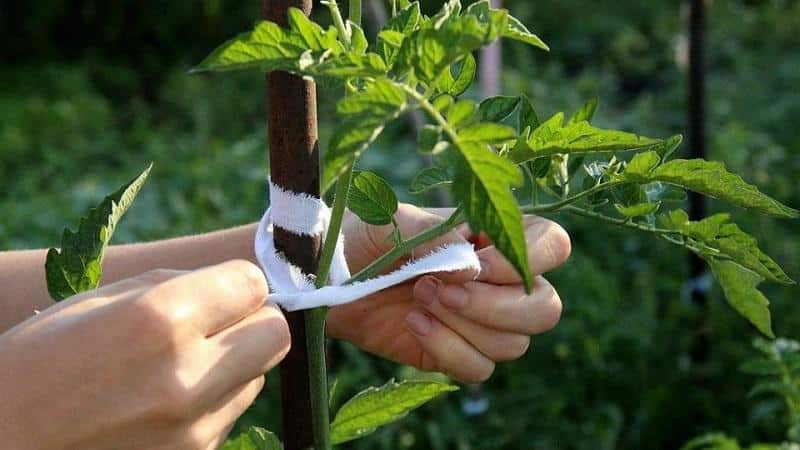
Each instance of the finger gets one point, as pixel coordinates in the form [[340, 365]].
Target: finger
[[548, 247], [217, 423], [443, 350], [501, 307], [497, 345], [213, 298], [411, 220], [247, 349]]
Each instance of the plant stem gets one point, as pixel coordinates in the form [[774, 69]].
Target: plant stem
[[354, 12], [549, 207], [315, 322], [409, 244], [338, 22]]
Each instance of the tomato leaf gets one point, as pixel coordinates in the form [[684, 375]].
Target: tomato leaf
[[496, 109], [487, 132], [639, 209], [372, 199], [483, 182], [378, 406], [727, 240], [78, 265], [429, 178], [711, 178], [365, 114], [740, 287], [552, 137]]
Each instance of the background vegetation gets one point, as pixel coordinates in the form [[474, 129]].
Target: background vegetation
[[91, 92]]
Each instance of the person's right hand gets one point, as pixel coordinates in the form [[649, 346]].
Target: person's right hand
[[165, 360]]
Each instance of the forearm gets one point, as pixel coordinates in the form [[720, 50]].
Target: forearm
[[23, 279]]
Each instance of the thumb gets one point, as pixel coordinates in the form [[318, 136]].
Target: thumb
[[370, 241]]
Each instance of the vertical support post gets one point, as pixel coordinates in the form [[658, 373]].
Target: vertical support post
[[697, 148], [491, 64], [294, 165]]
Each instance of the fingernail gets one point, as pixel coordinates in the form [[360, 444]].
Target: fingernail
[[418, 323], [426, 290], [453, 296]]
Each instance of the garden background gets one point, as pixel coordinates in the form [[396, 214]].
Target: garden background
[[92, 91]]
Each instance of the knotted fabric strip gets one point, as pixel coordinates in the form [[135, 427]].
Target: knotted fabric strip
[[305, 215]]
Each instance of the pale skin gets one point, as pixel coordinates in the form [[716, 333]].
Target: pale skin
[[169, 359]]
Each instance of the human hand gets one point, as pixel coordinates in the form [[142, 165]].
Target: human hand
[[165, 360], [449, 322]]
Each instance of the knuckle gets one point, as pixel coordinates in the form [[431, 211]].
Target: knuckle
[[195, 438], [149, 321]]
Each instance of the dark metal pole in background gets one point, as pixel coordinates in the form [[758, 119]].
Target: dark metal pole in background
[[697, 149], [294, 165]]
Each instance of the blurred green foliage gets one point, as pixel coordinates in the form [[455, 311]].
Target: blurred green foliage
[[90, 93]]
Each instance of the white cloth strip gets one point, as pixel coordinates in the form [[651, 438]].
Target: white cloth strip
[[450, 258], [299, 213], [307, 216]]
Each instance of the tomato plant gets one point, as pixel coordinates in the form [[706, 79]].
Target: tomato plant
[[497, 157]]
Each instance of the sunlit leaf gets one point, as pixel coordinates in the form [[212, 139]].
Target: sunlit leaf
[[364, 114], [78, 265], [483, 182], [372, 199], [639, 209], [552, 137], [375, 407], [713, 179]]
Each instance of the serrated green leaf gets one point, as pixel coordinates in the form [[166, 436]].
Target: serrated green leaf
[[586, 113], [429, 178], [552, 137], [372, 199], [513, 28], [304, 48], [365, 114], [496, 109], [640, 209], [429, 137], [740, 288], [78, 265], [482, 184], [728, 240], [255, 438], [446, 38], [375, 407], [488, 132], [713, 179]]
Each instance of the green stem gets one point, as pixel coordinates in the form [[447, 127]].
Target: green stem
[[673, 236], [550, 207], [409, 244], [315, 323], [354, 12], [338, 22]]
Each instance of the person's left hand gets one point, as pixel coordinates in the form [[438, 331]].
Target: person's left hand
[[449, 322]]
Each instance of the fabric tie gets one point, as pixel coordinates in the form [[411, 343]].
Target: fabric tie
[[305, 215]]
